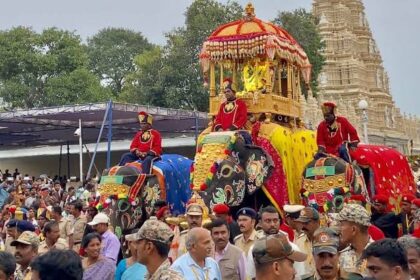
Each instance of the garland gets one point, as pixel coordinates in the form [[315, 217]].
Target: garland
[[333, 196], [213, 168], [103, 203]]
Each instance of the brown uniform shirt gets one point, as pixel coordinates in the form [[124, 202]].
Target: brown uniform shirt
[[79, 225], [164, 272], [66, 228], [61, 244], [243, 244]]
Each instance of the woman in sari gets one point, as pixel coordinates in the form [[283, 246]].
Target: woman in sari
[[95, 266], [129, 268]]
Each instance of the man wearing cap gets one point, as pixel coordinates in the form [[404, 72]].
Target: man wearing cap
[[270, 221], [46, 198], [405, 217], [415, 204], [196, 263], [146, 144], [194, 216], [291, 213], [14, 230], [246, 218], [274, 257], [354, 223], [309, 218], [110, 243], [153, 242], [334, 133], [326, 256], [384, 219], [232, 113], [221, 211], [26, 250]]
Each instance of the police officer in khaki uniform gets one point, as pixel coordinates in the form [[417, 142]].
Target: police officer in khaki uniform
[[194, 216], [246, 218], [326, 256], [79, 223], [151, 234], [354, 223], [291, 214]]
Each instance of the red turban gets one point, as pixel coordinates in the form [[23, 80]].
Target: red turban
[[408, 198], [416, 202], [356, 198], [221, 209], [161, 212], [328, 107], [145, 118], [380, 198]]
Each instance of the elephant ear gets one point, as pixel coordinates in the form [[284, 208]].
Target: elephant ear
[[258, 168], [227, 185]]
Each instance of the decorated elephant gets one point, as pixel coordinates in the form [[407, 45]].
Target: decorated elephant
[[227, 169], [129, 196], [328, 181]]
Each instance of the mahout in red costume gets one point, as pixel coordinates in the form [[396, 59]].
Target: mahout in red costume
[[146, 144], [334, 133], [232, 113]]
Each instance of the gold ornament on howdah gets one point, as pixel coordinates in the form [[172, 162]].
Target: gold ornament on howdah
[[324, 185], [113, 189]]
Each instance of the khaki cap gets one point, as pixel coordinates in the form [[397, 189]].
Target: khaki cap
[[27, 238], [194, 209], [325, 241], [308, 214], [153, 230], [275, 247], [354, 213]]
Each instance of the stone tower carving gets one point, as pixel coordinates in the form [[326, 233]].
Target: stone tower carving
[[354, 70]]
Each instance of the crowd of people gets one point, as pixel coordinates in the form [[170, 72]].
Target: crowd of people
[[51, 230]]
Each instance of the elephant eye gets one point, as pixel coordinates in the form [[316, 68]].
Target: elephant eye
[[226, 171]]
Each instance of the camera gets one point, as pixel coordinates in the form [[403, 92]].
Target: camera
[[77, 132]]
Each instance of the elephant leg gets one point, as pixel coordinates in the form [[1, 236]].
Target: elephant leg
[[127, 158]]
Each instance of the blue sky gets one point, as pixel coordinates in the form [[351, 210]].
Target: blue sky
[[393, 23]]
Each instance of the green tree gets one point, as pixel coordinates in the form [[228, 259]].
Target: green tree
[[111, 53], [79, 86], [302, 25], [172, 76], [145, 86], [31, 65]]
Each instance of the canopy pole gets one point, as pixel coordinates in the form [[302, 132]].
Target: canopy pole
[[59, 160], [97, 141], [68, 160], [108, 154], [196, 127], [81, 151]]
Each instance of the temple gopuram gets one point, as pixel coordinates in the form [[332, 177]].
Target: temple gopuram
[[354, 71]]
